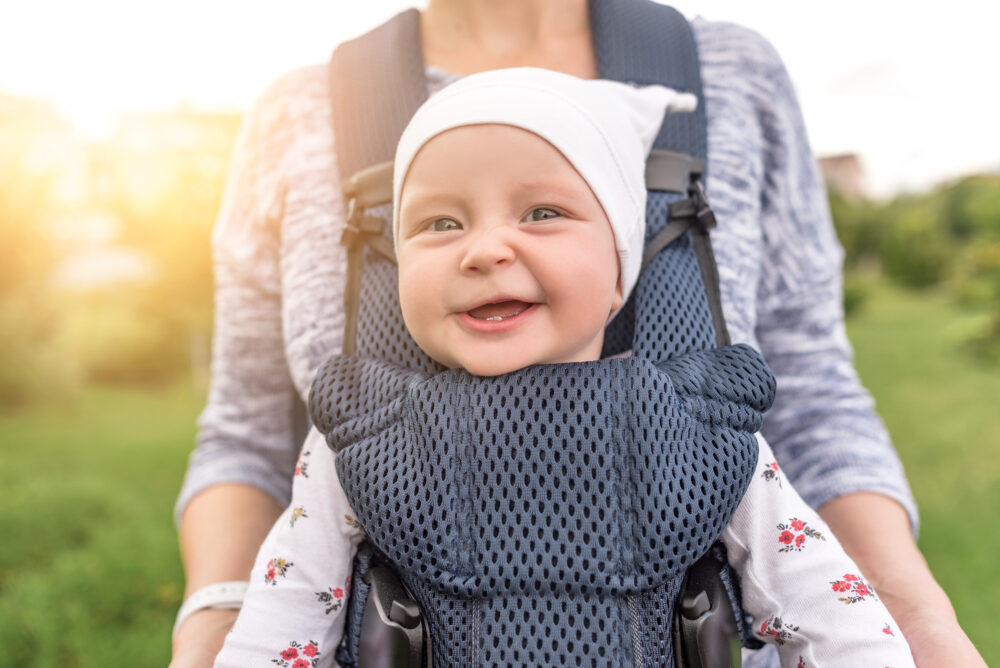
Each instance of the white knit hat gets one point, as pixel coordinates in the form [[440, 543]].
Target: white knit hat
[[604, 128]]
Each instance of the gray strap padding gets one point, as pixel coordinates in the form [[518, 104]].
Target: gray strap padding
[[671, 171], [661, 49], [389, 58], [644, 42], [371, 186]]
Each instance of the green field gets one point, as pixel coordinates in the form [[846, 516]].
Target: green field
[[89, 572]]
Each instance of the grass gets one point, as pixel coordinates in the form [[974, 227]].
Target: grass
[[941, 408], [89, 571]]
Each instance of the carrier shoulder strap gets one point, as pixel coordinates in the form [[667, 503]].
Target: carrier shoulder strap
[[377, 81], [660, 49]]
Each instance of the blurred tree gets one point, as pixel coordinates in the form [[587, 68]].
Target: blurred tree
[[971, 208], [860, 227], [917, 250], [28, 364]]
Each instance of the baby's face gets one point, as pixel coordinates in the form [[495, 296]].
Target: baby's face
[[506, 258]]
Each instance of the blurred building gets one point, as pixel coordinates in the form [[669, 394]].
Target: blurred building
[[844, 174]]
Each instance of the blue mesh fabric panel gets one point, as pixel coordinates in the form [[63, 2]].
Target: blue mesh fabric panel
[[381, 331], [549, 495], [674, 318]]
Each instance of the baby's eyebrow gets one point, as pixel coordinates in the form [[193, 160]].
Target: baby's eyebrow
[[428, 198], [550, 188]]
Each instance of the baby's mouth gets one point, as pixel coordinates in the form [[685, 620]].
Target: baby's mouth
[[499, 311]]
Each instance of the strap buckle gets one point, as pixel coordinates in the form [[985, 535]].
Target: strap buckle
[[695, 207], [359, 227]]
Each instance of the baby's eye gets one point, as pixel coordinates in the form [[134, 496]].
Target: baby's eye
[[444, 225], [542, 213]]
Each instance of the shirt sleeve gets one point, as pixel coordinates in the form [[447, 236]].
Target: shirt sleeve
[[823, 424], [802, 591], [248, 429], [295, 606]]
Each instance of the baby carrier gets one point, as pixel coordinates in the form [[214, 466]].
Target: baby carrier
[[557, 515]]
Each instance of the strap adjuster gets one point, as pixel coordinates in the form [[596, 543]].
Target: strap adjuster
[[695, 207], [359, 227]]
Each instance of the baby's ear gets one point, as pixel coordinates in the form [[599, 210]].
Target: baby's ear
[[618, 299]]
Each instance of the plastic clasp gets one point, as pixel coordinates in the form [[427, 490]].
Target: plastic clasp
[[703, 212], [393, 633]]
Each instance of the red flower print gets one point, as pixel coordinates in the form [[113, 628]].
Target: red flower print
[[275, 567], [770, 473], [310, 650], [775, 628], [856, 590], [888, 630], [787, 537], [333, 598], [302, 465]]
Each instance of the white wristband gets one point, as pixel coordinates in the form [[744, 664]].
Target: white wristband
[[221, 596]]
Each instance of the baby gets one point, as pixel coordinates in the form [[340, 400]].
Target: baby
[[518, 224]]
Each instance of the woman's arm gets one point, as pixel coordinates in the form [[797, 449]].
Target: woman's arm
[[212, 554], [240, 474], [823, 426], [875, 531]]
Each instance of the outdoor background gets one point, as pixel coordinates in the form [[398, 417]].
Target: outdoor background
[[116, 125]]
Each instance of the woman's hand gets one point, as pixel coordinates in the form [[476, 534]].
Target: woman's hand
[[935, 640], [875, 532], [200, 638]]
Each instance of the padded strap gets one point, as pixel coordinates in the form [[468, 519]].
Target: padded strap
[[389, 58], [660, 48], [644, 42], [671, 171]]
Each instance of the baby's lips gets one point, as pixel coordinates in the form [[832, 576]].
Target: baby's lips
[[503, 310]]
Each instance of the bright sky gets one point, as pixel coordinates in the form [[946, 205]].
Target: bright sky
[[911, 86]]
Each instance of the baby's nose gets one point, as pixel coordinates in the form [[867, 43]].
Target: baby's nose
[[488, 250]]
